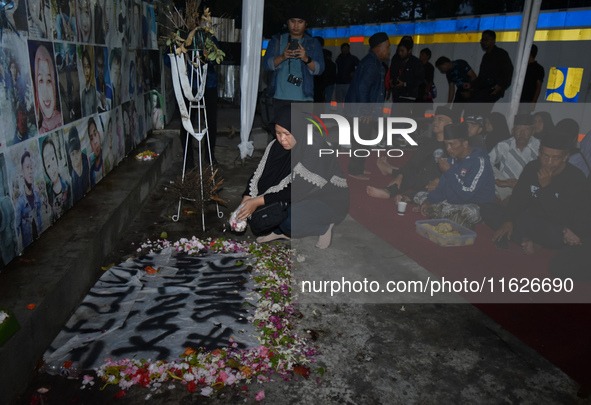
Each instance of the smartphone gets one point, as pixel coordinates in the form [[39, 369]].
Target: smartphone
[[294, 44]]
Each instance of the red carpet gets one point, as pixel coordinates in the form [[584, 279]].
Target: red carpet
[[560, 332]]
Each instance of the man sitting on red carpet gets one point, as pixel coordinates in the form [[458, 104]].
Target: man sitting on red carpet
[[550, 202], [467, 181], [422, 170]]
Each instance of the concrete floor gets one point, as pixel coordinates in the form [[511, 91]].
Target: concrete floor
[[374, 351]]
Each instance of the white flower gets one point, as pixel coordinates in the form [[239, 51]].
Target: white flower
[[3, 316]]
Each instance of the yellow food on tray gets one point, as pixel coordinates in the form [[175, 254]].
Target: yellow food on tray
[[444, 229]]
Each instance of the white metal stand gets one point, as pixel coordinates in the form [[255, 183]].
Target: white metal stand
[[183, 90]]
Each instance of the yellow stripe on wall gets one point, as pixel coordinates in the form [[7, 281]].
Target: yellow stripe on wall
[[578, 34]]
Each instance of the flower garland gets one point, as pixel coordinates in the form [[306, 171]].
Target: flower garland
[[281, 351], [146, 155]]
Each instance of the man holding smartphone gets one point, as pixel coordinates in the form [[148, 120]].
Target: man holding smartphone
[[293, 57]]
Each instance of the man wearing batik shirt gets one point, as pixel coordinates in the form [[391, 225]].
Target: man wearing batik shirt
[[510, 156]]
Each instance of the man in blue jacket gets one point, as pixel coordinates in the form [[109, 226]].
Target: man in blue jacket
[[365, 97], [467, 181], [293, 57]]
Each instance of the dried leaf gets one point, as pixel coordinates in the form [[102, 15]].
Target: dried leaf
[[232, 363], [303, 371], [150, 270]]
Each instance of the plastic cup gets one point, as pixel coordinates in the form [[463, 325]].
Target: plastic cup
[[401, 207]]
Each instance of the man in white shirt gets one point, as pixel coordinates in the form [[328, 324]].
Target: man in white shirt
[[510, 156]]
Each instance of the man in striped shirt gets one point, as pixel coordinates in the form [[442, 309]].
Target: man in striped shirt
[[510, 156]]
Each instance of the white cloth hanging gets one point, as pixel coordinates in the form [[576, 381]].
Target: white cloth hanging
[[250, 66]]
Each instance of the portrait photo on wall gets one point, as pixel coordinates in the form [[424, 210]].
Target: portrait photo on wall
[[120, 27], [142, 85], [152, 37], [8, 238], [128, 76], [66, 60], [17, 94], [141, 119], [100, 20], [110, 22], [115, 65], [110, 146], [98, 162], [104, 92], [29, 195], [136, 25], [84, 21], [136, 138], [152, 62], [15, 18], [86, 74], [45, 81], [57, 176], [157, 115], [78, 163], [40, 19], [64, 15], [127, 127], [147, 112], [118, 135]]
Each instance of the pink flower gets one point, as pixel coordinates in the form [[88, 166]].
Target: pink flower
[[223, 376], [231, 379], [87, 380], [263, 351], [260, 396]]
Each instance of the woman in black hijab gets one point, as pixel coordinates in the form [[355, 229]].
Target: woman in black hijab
[[319, 192]]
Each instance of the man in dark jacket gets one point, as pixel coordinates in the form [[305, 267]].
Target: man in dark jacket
[[407, 76], [466, 182], [496, 72], [550, 202], [346, 65], [366, 95]]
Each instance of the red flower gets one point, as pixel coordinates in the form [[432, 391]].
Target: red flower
[[119, 394], [191, 386]]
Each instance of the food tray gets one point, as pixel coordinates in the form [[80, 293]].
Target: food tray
[[465, 238]]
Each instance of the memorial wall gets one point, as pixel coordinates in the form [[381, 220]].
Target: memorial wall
[[80, 88]]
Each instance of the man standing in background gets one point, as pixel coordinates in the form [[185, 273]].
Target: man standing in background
[[346, 65], [532, 84]]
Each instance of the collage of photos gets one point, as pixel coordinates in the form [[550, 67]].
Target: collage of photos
[[78, 92]]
